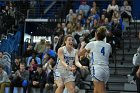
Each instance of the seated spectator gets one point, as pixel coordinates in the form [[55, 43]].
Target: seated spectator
[[78, 78], [93, 15], [70, 29], [50, 86], [102, 20], [6, 64], [126, 11], [34, 56], [84, 7], [111, 9], [32, 65], [38, 79], [20, 79], [16, 64], [4, 80], [29, 50], [87, 25], [50, 60]]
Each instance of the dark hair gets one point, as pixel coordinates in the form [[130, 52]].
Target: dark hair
[[66, 37], [101, 33], [34, 60], [1, 66], [1, 52], [22, 63]]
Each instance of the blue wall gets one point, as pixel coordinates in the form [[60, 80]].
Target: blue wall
[[136, 9]]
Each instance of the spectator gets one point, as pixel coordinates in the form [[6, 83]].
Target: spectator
[[40, 47], [102, 20], [94, 16], [20, 78], [94, 6], [38, 79], [16, 64], [84, 7], [116, 30], [49, 67], [69, 17], [111, 9], [56, 39], [69, 28], [58, 29], [5, 63], [64, 27], [126, 11], [4, 80], [29, 50], [50, 86], [35, 57]]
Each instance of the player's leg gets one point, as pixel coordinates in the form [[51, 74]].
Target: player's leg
[[60, 86], [70, 86]]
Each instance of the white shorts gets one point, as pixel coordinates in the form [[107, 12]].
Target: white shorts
[[63, 75], [100, 73]]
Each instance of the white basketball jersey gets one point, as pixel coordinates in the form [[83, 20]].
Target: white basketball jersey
[[99, 52], [68, 57]]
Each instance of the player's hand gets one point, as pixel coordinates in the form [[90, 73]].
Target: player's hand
[[83, 44], [84, 67], [138, 73]]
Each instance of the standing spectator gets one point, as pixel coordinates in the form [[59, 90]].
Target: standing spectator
[[84, 7], [4, 80], [56, 39], [40, 47], [126, 10], [20, 78], [94, 6], [69, 17], [111, 9], [116, 31], [64, 27], [38, 79]]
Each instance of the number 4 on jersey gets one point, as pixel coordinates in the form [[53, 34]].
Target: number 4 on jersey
[[103, 51]]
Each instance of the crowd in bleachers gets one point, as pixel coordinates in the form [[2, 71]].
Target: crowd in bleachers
[[35, 67]]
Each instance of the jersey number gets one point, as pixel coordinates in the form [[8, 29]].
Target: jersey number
[[103, 51]]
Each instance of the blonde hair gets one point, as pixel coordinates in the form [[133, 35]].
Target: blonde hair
[[101, 33]]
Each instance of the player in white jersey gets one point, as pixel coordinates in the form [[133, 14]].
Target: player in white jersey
[[63, 74], [99, 56]]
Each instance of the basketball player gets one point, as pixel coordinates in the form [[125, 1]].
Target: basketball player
[[99, 55], [63, 75]]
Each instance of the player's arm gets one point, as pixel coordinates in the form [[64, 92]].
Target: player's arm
[[77, 63], [61, 57], [83, 50]]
